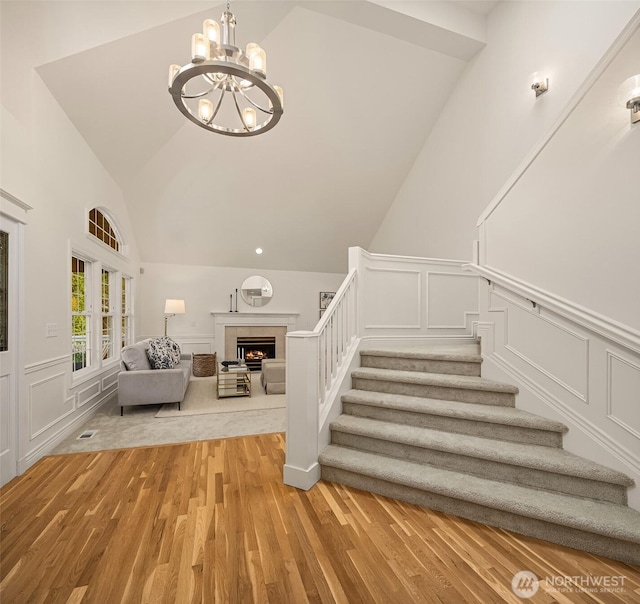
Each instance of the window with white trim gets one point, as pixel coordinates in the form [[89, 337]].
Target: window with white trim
[[101, 313], [101, 228], [81, 313], [107, 285], [125, 312]]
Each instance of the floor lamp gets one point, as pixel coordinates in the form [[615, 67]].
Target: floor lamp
[[172, 308]]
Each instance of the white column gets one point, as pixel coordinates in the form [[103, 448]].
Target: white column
[[301, 469]]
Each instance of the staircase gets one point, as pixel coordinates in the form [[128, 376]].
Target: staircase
[[422, 426]]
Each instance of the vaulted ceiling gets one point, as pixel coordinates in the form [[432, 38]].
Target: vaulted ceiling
[[364, 83]]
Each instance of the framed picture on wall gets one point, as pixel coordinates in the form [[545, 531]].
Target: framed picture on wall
[[325, 299], [322, 312]]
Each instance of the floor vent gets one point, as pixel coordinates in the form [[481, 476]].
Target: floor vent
[[87, 434]]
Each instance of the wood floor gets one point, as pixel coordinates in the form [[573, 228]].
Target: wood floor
[[212, 522]]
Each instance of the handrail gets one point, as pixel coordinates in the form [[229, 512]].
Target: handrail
[[336, 330], [336, 299]]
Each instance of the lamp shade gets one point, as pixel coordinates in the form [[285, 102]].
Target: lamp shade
[[174, 307]]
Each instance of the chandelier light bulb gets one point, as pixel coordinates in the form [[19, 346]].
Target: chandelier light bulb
[[205, 109], [280, 94], [258, 250], [199, 48], [257, 58], [173, 70], [211, 30], [249, 117]]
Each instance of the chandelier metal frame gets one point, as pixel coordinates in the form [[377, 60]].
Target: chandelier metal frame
[[230, 75]]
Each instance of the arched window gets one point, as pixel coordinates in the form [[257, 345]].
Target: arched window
[[100, 227]]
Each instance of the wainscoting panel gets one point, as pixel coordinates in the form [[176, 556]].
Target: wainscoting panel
[[196, 344], [568, 371], [393, 298], [6, 421], [48, 402], [109, 381], [548, 345], [450, 297], [409, 297], [623, 392], [56, 406], [88, 393]]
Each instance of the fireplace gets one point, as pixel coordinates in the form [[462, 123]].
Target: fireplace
[[229, 326], [253, 349]]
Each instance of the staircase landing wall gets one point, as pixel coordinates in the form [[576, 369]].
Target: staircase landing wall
[[404, 297]]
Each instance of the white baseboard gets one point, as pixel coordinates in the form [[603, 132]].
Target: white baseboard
[[300, 478], [52, 442]]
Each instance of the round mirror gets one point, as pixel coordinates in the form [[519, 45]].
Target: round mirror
[[256, 291]]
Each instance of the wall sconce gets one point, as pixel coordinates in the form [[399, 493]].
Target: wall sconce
[[630, 94], [634, 105], [540, 86], [171, 309]]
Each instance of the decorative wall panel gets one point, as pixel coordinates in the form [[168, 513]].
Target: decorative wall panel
[[5, 414], [47, 402], [561, 360], [553, 349], [623, 393], [393, 298], [87, 394], [450, 297]]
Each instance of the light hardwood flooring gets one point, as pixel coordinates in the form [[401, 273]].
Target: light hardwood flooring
[[212, 522]]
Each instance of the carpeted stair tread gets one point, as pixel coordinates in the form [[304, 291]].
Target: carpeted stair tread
[[462, 354], [602, 518], [463, 382], [537, 457], [470, 411]]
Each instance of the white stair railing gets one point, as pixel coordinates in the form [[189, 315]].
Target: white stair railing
[[336, 331], [315, 358], [384, 299]]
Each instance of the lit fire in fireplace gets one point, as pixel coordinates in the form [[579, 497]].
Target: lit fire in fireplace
[[255, 355]]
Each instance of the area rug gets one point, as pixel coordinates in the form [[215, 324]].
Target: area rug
[[201, 399]]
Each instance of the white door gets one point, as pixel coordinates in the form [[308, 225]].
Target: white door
[[9, 265]]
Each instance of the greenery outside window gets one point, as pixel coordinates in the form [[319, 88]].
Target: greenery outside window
[[108, 339], [125, 312], [80, 313]]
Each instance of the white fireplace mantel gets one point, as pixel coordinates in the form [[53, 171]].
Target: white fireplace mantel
[[255, 318], [234, 319]]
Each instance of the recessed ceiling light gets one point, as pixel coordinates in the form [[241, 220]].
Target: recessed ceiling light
[[258, 250]]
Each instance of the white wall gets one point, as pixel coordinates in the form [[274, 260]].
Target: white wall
[[570, 224], [206, 289], [493, 119], [564, 237], [48, 165], [560, 315]]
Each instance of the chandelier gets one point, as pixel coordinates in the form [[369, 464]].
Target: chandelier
[[224, 89]]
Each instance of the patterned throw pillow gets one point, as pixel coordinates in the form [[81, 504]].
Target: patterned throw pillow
[[160, 355], [174, 349], [163, 353]]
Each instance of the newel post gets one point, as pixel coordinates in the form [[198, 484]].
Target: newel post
[[301, 467]]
